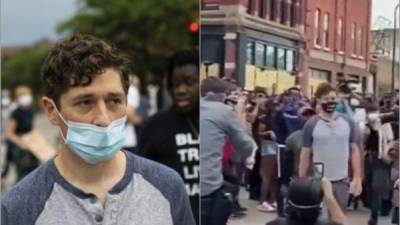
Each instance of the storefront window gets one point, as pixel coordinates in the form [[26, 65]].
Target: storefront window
[[281, 58], [260, 54], [289, 60], [270, 56], [250, 53]]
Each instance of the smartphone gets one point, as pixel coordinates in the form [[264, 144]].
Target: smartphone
[[318, 169]]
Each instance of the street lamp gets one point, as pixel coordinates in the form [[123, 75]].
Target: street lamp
[[394, 45]]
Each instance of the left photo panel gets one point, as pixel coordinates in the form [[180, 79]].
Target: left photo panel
[[99, 112]]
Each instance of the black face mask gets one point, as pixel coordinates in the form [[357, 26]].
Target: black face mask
[[329, 107]]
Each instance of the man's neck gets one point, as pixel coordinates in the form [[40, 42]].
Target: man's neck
[[327, 116], [90, 178]]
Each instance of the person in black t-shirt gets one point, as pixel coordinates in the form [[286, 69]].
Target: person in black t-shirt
[[304, 199], [171, 137], [20, 123]]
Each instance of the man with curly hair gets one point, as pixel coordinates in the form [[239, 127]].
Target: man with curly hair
[[91, 180]]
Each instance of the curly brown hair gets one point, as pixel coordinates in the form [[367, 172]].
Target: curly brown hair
[[76, 61], [324, 89]]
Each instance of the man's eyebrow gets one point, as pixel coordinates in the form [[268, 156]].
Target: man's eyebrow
[[83, 96], [116, 94]]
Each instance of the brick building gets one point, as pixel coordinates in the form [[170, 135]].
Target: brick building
[[256, 42], [338, 38], [283, 42]]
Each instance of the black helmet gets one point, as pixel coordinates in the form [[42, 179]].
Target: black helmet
[[304, 199]]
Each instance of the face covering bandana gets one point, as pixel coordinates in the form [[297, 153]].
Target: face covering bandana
[[329, 107], [92, 143]]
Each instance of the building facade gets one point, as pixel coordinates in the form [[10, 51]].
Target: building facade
[[382, 66], [279, 43], [338, 39], [256, 42]]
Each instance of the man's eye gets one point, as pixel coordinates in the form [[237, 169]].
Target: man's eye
[[85, 103], [115, 101]]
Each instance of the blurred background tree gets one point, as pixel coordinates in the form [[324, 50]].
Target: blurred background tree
[[148, 31]]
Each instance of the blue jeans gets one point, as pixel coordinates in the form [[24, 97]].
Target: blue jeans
[[216, 207]]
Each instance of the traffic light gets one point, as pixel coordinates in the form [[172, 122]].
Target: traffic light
[[194, 33]]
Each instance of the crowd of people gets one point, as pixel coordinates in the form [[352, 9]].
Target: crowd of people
[[270, 143]]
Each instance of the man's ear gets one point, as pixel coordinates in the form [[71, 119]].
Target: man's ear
[[51, 111]]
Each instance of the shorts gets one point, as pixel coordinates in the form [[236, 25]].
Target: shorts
[[269, 148]]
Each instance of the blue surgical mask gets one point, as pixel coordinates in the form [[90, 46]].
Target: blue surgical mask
[[92, 143]]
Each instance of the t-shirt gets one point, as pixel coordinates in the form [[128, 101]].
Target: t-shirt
[[149, 193], [330, 142], [133, 100], [293, 144], [24, 120], [283, 221], [170, 138]]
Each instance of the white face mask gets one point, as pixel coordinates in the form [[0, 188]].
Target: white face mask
[[5, 101], [354, 102], [25, 100]]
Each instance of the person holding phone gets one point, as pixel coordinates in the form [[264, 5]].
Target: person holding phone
[[331, 138]]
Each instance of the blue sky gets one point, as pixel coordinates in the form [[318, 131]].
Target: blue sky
[[24, 22]]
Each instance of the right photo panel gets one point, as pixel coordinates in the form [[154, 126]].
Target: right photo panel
[[299, 112]]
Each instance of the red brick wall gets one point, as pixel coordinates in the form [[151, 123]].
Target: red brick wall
[[357, 11]]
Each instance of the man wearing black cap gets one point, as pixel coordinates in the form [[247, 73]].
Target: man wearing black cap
[[304, 199]]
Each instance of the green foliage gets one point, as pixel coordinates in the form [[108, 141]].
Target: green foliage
[[23, 68], [146, 30]]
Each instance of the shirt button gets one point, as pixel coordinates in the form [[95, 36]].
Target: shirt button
[[93, 200], [99, 218]]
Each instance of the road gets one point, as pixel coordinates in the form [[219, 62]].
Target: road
[[255, 217]]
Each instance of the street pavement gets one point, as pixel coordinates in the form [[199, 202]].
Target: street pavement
[[255, 217]]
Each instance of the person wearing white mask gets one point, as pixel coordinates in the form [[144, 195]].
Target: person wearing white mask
[[92, 180], [377, 172], [20, 123]]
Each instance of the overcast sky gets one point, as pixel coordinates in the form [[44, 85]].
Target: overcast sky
[[24, 22]]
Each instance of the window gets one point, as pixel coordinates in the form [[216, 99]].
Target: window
[[261, 11], [283, 12], [250, 53], [259, 54], [272, 8], [325, 35], [293, 13], [358, 44], [340, 35], [270, 56], [317, 38], [289, 60], [353, 38], [250, 8], [289, 13], [281, 58], [359, 40], [320, 74]]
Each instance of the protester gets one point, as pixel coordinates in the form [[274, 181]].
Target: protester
[[20, 123], [268, 168], [218, 122], [330, 138], [295, 140], [133, 117], [171, 137], [91, 181]]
